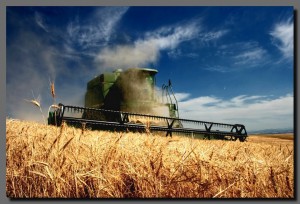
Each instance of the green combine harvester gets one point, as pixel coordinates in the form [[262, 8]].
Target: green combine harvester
[[128, 101]]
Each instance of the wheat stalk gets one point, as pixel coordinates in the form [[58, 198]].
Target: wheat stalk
[[113, 165], [34, 102], [37, 103], [52, 88]]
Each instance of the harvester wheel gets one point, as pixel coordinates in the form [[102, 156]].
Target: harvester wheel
[[233, 138]]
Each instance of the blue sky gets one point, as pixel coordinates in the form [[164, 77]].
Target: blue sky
[[226, 64]]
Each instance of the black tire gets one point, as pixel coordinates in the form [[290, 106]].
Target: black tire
[[242, 139]]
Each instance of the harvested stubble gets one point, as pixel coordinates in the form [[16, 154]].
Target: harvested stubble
[[64, 162]]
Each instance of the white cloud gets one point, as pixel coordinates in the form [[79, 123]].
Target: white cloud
[[170, 36], [204, 38], [240, 55], [177, 53], [98, 30], [182, 96], [217, 68], [283, 36], [213, 35], [107, 18], [40, 21], [255, 112], [145, 51], [200, 101], [251, 56]]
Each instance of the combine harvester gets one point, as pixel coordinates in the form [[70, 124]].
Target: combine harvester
[[127, 101]]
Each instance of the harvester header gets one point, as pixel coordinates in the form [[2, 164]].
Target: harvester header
[[128, 100]]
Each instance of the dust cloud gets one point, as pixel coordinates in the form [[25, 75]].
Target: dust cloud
[[134, 92]]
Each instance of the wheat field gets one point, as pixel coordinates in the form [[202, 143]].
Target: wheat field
[[66, 162]]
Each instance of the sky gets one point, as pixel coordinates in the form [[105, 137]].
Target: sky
[[226, 64]]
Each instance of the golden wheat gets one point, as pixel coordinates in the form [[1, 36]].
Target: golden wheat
[[52, 89], [37, 103], [34, 102], [68, 162]]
